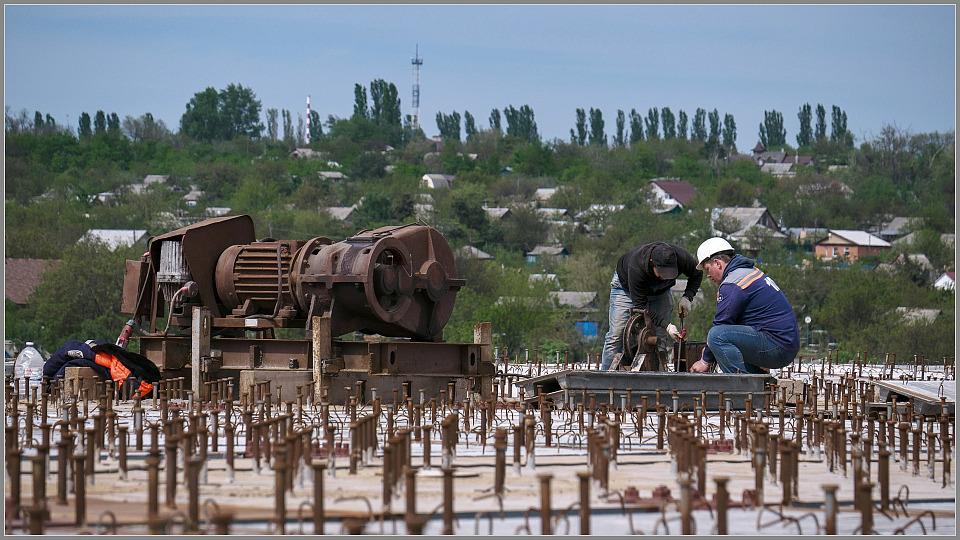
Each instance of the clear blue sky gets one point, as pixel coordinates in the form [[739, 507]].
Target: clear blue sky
[[881, 64]]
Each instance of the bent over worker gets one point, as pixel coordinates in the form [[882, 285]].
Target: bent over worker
[[755, 329], [642, 280]]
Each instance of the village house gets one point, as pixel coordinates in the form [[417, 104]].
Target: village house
[[543, 195], [343, 214], [670, 195], [116, 238], [742, 224], [776, 162], [497, 214], [471, 252], [21, 277], [849, 245], [946, 282], [435, 181], [539, 253]]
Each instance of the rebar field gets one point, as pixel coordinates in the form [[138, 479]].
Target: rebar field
[[824, 449]]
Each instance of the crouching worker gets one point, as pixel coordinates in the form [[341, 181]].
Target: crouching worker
[[109, 361], [755, 329]]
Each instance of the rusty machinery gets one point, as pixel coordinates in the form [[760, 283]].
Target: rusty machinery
[[224, 295], [641, 351]]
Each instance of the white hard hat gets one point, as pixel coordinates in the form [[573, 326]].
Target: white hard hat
[[710, 247]]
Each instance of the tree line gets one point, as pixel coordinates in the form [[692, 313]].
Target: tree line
[[53, 176]]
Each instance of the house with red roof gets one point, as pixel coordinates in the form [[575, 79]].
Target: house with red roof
[[849, 245], [21, 277], [671, 194], [947, 281]]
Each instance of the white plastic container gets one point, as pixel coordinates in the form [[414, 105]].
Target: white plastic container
[[28, 368]]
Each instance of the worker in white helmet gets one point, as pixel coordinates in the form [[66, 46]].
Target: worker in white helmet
[[643, 279], [755, 329]]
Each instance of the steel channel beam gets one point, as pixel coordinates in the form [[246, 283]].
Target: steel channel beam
[[388, 357], [736, 388]]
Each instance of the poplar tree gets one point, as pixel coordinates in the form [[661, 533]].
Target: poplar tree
[[636, 127], [653, 123], [597, 136], [805, 135], [699, 125], [821, 130], [682, 124]]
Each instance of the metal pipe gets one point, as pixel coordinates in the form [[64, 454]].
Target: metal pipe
[[723, 499], [545, 511], [448, 512]]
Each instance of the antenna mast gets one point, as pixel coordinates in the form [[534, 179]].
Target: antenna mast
[[417, 62], [308, 119]]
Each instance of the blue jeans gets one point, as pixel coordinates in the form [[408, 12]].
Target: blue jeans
[[742, 349], [620, 304]]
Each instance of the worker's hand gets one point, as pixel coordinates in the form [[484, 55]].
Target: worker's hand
[[685, 306], [673, 332], [700, 366]]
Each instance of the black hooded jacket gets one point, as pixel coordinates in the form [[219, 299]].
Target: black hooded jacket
[[637, 278]]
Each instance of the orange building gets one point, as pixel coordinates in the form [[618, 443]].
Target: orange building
[[849, 245]]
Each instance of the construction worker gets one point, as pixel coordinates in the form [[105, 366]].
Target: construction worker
[[642, 280], [755, 329]]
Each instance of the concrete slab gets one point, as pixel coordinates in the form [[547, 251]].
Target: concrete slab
[[928, 396], [78, 378]]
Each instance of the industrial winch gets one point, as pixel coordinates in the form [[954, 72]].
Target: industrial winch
[[398, 283]]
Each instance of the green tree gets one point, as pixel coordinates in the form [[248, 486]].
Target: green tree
[[838, 125], [79, 298], [669, 122], [620, 139], [287, 125], [772, 132], [495, 120], [113, 124], [715, 126], [580, 137], [521, 123], [376, 211], [360, 110], [682, 124], [273, 126], [239, 113], [83, 128], [316, 126], [524, 229], [821, 129], [653, 123], [729, 131], [699, 132], [449, 125], [37, 124], [597, 136], [385, 111], [201, 121], [805, 135], [534, 159], [144, 128], [636, 127], [733, 192], [99, 123], [469, 125]]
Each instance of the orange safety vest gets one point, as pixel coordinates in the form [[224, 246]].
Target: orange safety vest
[[119, 372]]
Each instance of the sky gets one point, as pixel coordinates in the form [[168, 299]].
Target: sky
[[882, 64]]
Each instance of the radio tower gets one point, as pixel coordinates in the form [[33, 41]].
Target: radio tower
[[308, 119], [417, 62]]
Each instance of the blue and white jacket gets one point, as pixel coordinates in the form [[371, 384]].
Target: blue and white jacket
[[749, 297]]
